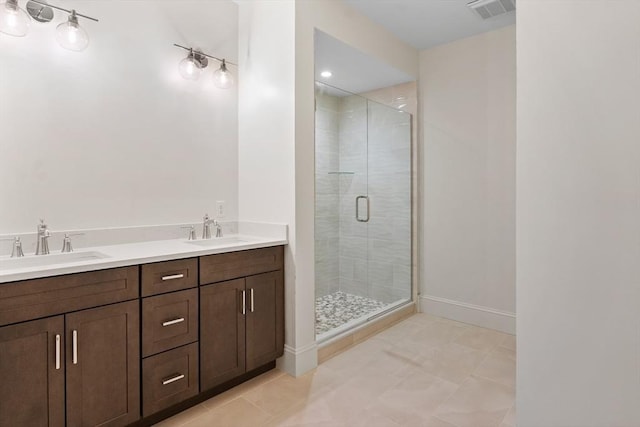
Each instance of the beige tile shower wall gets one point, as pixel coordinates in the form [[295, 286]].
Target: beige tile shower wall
[[327, 198]]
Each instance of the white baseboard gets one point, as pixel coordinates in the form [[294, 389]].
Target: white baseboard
[[485, 317], [298, 361]]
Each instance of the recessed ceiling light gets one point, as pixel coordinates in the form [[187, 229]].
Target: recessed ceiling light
[[326, 74]]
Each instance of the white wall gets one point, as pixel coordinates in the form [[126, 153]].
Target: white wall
[[267, 146], [578, 213], [113, 136], [468, 113]]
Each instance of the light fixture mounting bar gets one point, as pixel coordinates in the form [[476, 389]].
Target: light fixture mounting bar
[[63, 9], [204, 54]]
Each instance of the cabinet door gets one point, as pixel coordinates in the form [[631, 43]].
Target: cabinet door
[[31, 382], [103, 366], [265, 318], [222, 329]]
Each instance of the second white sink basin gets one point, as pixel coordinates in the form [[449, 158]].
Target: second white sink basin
[[217, 241], [41, 260]]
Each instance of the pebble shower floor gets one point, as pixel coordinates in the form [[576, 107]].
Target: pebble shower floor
[[338, 308]]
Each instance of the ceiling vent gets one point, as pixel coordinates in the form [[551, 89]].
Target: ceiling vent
[[489, 8]]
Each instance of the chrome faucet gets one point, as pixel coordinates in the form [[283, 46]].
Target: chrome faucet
[[206, 227], [42, 245]]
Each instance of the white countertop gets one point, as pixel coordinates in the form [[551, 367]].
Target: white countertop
[[131, 254]]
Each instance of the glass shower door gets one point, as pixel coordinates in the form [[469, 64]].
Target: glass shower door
[[363, 210], [389, 191]]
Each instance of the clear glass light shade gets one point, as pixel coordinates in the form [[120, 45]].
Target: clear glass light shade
[[13, 20], [72, 36], [189, 68], [222, 78]]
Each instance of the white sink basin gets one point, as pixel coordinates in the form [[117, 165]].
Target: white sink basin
[[41, 260], [219, 241]]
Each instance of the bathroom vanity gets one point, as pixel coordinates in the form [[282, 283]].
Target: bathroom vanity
[[134, 344]]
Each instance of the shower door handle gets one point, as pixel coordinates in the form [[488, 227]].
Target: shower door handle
[[358, 209]]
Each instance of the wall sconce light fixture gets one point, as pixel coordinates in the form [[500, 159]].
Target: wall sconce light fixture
[[15, 22], [191, 67]]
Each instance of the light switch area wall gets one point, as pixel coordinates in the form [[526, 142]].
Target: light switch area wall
[[113, 136]]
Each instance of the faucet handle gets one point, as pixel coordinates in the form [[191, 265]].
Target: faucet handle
[[16, 250], [218, 228], [192, 232], [66, 242]]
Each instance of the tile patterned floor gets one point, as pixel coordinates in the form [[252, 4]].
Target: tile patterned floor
[[424, 371], [338, 308]]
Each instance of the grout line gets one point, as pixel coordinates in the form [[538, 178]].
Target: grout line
[[473, 375]]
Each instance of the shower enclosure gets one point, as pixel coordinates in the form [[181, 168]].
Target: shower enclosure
[[363, 210]]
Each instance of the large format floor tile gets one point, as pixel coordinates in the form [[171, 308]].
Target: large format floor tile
[[422, 372]]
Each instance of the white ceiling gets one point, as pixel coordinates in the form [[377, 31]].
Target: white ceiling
[[353, 70], [427, 23]]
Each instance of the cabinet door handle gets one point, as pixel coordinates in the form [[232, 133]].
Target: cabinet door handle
[[75, 347], [173, 379], [57, 351], [251, 298], [244, 302], [173, 322], [172, 277]]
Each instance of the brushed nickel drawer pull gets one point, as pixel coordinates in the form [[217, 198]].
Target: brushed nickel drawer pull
[[173, 276], [172, 380], [251, 294], [173, 322], [57, 352], [75, 347], [244, 302]]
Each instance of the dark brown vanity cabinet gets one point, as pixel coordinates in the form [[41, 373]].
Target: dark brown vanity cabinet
[[265, 318], [74, 349], [94, 351], [170, 321], [103, 365], [222, 336], [241, 320], [32, 372]]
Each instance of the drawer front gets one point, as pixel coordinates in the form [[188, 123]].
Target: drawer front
[[169, 276], [222, 267], [169, 321], [32, 299], [169, 378]]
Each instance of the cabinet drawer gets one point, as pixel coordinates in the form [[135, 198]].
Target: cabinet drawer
[[169, 378], [222, 267], [169, 276], [31, 299], [169, 321]]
